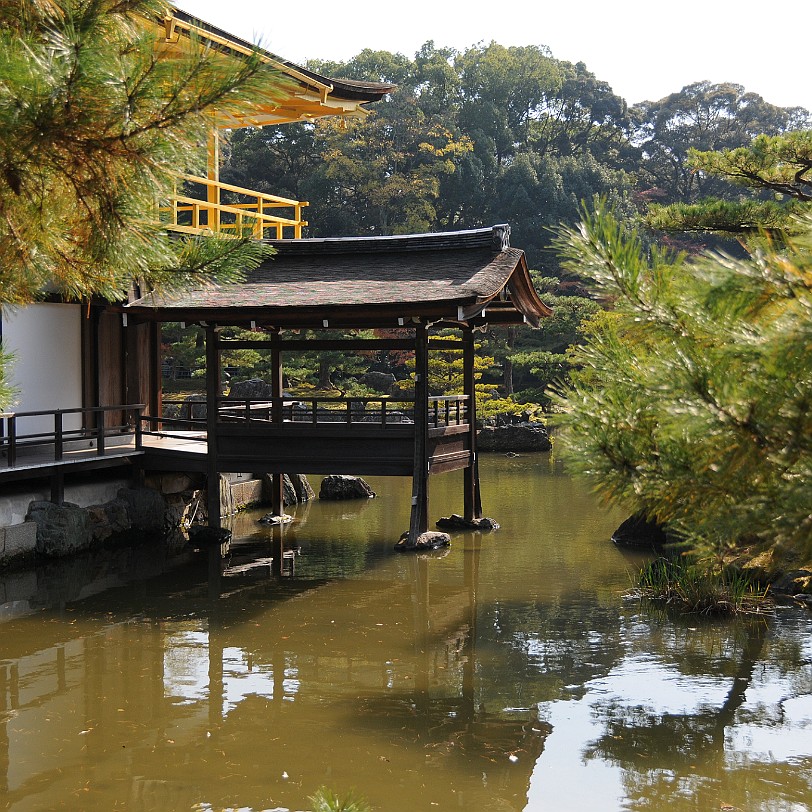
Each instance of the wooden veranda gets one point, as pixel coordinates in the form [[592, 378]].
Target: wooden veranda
[[415, 283]]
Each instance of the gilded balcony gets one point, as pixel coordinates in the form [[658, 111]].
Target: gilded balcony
[[202, 206]]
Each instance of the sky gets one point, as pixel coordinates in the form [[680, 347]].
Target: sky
[[645, 49]]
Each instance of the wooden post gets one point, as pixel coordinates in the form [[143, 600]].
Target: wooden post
[[419, 520], [213, 174], [277, 484], [58, 486], [212, 396], [472, 499], [155, 380]]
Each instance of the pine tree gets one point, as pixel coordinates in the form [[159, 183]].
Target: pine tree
[[96, 114], [693, 399], [778, 165]]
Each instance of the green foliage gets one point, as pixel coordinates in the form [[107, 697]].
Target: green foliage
[[779, 163], [690, 588], [488, 135], [702, 116], [7, 391], [723, 216], [776, 164], [693, 403], [325, 800], [94, 117], [545, 369]]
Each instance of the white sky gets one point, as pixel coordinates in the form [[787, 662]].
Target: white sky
[[645, 49]]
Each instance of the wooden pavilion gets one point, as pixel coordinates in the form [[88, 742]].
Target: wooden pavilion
[[462, 280]]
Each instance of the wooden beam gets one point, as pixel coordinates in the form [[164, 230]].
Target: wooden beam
[[418, 521], [472, 499], [277, 479], [213, 378], [318, 345]]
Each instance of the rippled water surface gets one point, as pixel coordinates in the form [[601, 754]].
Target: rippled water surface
[[506, 674]]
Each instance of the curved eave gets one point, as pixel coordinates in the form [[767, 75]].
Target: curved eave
[[311, 95]]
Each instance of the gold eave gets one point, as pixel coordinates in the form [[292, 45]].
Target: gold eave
[[286, 113], [309, 99]]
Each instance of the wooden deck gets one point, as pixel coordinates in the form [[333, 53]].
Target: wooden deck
[[317, 441], [186, 453], [366, 436]]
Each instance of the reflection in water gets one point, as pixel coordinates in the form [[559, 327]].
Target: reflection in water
[[487, 677]]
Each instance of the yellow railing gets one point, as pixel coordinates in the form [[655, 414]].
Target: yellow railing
[[248, 216]]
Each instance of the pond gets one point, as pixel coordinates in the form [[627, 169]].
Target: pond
[[506, 673]]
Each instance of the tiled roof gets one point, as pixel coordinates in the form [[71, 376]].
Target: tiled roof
[[415, 275]]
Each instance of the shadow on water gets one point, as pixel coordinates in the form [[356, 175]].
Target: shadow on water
[[485, 677]]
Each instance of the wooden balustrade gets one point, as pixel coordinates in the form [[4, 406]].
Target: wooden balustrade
[[52, 445], [249, 216], [444, 411]]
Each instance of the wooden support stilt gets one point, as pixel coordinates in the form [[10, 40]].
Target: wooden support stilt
[[155, 384], [213, 378], [58, 486], [277, 489], [472, 500], [418, 522]]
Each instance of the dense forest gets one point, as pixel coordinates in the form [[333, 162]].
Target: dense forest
[[499, 135]]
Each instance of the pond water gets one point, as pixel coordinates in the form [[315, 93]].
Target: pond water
[[508, 673]]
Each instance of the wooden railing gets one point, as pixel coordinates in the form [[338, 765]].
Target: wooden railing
[[251, 215], [444, 411], [51, 445]]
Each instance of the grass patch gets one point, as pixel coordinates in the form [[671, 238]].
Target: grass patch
[[689, 588], [325, 800]]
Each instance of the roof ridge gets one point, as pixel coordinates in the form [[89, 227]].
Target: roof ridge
[[496, 238]]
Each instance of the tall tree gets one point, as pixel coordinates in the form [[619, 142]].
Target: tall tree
[[702, 116]]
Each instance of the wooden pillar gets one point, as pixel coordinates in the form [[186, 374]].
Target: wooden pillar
[[418, 522], [472, 501], [213, 378], [91, 375], [155, 381], [277, 489], [58, 486], [213, 174]]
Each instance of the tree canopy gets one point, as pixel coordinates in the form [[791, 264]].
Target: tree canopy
[[692, 403], [774, 169]]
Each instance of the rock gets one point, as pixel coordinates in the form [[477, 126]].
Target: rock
[[340, 486], [173, 482], [275, 518], [795, 582], [514, 437], [379, 381], [289, 496], [639, 532], [455, 521], [61, 529], [109, 520], [252, 389], [302, 487], [147, 509], [203, 535], [295, 489], [430, 540]]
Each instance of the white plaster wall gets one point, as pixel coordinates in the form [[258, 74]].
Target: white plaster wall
[[47, 368]]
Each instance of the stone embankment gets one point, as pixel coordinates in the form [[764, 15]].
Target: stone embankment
[[513, 433]]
